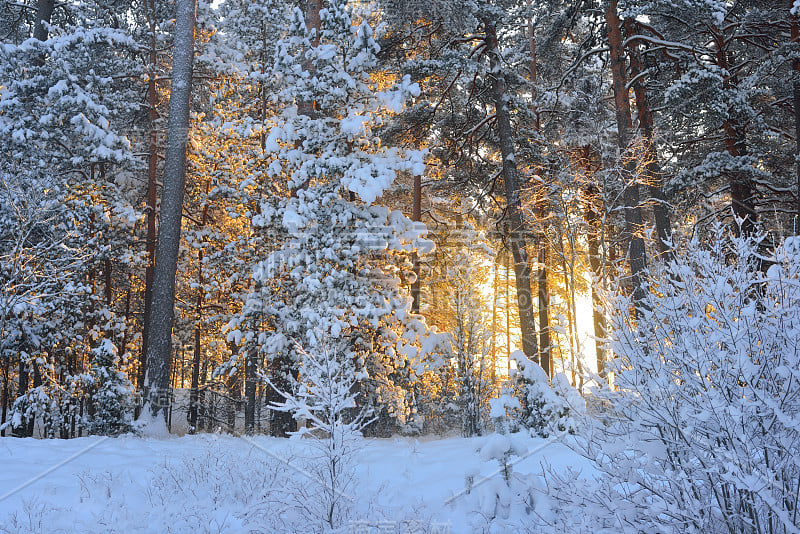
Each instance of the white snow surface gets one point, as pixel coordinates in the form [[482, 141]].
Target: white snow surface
[[222, 483]]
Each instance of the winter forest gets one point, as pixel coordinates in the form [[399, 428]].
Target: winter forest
[[400, 266]]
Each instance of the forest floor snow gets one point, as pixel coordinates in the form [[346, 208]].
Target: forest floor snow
[[221, 483]]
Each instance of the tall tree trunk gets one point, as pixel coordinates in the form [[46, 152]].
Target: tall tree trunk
[[123, 343], [742, 189], [637, 259], [569, 282], [541, 241], [44, 13], [544, 308], [37, 381], [22, 389], [152, 170], [195, 385], [646, 125], [795, 36], [494, 319], [517, 228], [508, 311], [250, 383], [416, 216], [198, 329], [169, 228], [595, 263], [6, 380], [313, 24]]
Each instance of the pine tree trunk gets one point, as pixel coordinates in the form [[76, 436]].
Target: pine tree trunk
[[195, 385], [313, 24], [234, 390], [646, 125], [495, 264], [22, 389], [37, 381], [250, 393], [595, 263], [742, 189], [508, 312], [44, 12], [517, 231], [6, 379], [633, 215], [169, 228], [123, 342], [542, 244], [416, 216], [544, 309], [795, 36], [152, 169], [281, 423]]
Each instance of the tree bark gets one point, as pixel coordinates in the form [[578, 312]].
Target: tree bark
[[169, 228], [6, 380], [795, 36], [152, 170], [508, 311], [123, 342], [544, 308], [542, 244], [416, 216], [637, 259], [22, 389], [494, 319], [595, 263], [195, 385], [44, 13], [646, 125], [250, 382], [742, 189], [517, 228]]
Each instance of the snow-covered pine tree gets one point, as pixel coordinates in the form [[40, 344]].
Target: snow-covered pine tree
[[67, 101], [336, 270], [111, 393], [716, 76], [474, 78], [471, 336], [54, 313], [232, 161]]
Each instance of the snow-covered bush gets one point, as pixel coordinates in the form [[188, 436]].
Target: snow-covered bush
[[704, 431], [497, 495], [547, 409], [502, 410]]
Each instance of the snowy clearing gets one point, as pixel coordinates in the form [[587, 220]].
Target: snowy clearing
[[220, 483]]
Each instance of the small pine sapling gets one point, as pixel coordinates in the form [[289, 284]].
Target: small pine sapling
[[547, 409], [112, 393], [324, 405]]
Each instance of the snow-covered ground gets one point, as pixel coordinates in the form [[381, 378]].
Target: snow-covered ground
[[221, 483]]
